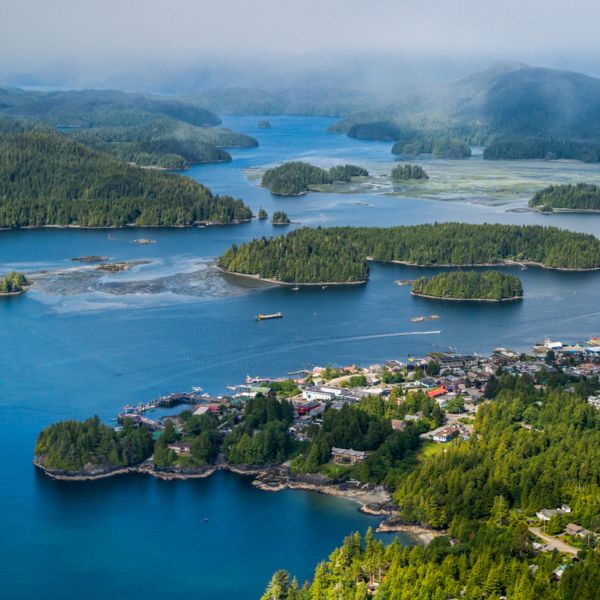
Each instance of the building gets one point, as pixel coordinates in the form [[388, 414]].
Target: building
[[594, 401], [399, 425], [577, 531], [347, 456], [321, 393], [445, 435], [180, 448]]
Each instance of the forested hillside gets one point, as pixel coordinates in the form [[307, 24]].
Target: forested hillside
[[47, 179], [166, 143], [339, 254], [98, 108]]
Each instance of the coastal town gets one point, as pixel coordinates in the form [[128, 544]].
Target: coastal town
[[448, 386]]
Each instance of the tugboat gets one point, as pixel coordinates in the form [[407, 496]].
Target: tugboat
[[262, 317]]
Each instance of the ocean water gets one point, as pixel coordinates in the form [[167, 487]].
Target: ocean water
[[83, 343]]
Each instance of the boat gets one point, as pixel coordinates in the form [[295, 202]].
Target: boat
[[295, 288], [404, 281], [197, 388], [417, 319], [433, 317], [262, 317], [323, 287]]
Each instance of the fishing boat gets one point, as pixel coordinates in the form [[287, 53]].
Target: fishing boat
[[262, 317], [417, 319], [433, 317]]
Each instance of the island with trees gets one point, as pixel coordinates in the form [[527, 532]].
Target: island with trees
[[340, 254], [582, 197], [280, 218], [47, 179], [409, 172], [296, 178], [13, 284], [488, 286], [262, 214]]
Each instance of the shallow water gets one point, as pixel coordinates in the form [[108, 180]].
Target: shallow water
[[85, 342]]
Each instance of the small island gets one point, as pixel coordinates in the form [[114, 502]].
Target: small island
[[582, 197], [296, 178], [13, 284], [471, 286], [262, 214], [92, 258], [409, 172], [280, 218], [264, 124]]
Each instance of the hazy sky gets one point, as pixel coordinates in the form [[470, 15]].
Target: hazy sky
[[100, 37]]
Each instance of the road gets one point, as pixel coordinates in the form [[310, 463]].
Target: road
[[554, 543]]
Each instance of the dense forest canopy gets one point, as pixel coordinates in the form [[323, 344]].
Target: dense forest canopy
[[71, 445], [582, 196], [295, 178], [404, 172], [280, 217], [470, 285], [339, 254], [47, 179]]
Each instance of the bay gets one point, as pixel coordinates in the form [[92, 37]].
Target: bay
[[86, 343]]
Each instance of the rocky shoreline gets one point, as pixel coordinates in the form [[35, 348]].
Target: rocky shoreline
[[288, 284], [451, 299], [372, 500]]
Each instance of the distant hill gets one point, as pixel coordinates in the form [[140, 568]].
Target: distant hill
[[506, 108], [164, 143], [304, 102], [48, 179], [98, 108]]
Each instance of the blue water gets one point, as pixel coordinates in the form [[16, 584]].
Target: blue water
[[81, 345]]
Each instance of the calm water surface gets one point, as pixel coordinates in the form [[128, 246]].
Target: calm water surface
[[83, 344]]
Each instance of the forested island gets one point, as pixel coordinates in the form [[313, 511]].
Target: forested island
[[280, 218], [408, 172], [48, 179], [469, 285], [581, 197], [340, 254], [13, 283], [527, 451], [296, 178]]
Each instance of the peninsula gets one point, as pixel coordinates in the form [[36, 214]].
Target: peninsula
[[340, 254], [47, 179], [471, 286]]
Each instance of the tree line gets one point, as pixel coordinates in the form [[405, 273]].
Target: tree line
[[402, 172], [13, 282]]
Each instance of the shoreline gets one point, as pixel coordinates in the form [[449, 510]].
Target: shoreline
[[287, 284], [429, 297], [503, 263]]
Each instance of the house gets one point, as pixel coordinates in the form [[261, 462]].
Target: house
[[180, 447], [345, 456], [202, 409], [577, 531], [445, 435], [547, 513], [594, 401], [439, 391], [398, 425]]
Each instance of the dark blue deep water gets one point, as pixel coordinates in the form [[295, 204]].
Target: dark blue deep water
[[81, 344]]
